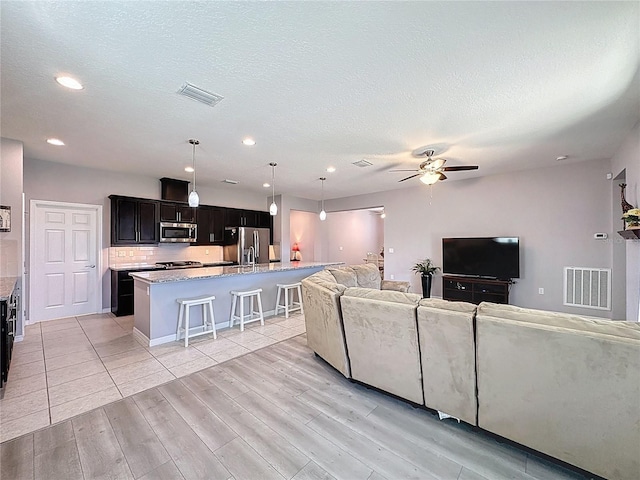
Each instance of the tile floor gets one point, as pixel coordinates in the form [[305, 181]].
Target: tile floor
[[72, 365]]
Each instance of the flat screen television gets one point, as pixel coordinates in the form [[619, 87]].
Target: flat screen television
[[491, 257]]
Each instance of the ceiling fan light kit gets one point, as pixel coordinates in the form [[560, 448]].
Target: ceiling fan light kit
[[194, 198], [430, 178]]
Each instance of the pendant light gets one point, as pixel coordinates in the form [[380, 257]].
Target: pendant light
[[323, 214], [273, 208], [194, 199]]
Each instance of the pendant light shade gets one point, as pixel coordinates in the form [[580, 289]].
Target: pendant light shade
[[323, 214], [194, 198], [273, 208]]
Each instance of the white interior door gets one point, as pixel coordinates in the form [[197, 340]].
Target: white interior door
[[65, 271]]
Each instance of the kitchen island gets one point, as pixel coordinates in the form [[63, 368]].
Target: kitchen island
[[155, 293]]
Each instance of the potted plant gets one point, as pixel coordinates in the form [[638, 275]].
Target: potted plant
[[426, 269], [632, 218]]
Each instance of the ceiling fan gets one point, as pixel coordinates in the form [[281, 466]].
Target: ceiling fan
[[431, 170]]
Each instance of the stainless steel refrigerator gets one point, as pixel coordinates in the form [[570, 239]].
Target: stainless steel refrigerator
[[244, 244]]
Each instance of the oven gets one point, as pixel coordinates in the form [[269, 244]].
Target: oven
[[178, 232]]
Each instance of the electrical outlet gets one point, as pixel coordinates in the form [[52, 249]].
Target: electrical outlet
[[131, 253], [206, 252], [340, 248], [393, 277], [122, 254], [541, 291], [391, 250]]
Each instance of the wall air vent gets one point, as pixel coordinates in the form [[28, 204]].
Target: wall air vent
[[587, 287], [362, 163], [230, 182], [200, 95]]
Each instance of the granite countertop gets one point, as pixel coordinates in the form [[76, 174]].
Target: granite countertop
[[133, 266], [163, 276], [7, 284], [152, 266]]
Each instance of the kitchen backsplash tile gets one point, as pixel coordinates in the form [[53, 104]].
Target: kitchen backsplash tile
[[165, 253]]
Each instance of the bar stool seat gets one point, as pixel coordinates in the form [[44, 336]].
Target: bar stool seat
[[253, 315], [289, 306], [207, 320]]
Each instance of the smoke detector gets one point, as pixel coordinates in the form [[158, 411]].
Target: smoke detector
[[199, 95]]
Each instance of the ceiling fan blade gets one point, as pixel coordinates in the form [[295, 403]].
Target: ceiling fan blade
[[411, 170], [459, 168], [411, 176], [442, 176]]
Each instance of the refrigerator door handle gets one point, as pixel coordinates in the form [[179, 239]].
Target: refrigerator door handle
[[256, 243]]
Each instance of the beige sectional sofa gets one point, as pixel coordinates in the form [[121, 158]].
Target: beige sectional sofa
[[564, 385], [321, 294]]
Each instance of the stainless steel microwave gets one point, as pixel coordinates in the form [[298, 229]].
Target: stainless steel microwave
[[178, 232]]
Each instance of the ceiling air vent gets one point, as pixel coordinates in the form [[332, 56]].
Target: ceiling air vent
[[200, 95], [231, 182], [362, 163]]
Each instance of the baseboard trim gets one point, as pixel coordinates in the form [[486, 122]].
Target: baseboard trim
[[142, 338]]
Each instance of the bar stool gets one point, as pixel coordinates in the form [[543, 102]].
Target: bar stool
[[293, 306], [183, 316], [253, 315]]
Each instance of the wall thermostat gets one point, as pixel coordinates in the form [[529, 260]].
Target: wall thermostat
[[600, 236]]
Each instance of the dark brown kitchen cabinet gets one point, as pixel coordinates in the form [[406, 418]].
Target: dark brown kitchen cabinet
[[247, 218], [177, 212], [133, 221], [210, 222]]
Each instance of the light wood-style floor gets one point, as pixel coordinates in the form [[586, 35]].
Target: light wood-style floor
[[279, 412], [69, 366]]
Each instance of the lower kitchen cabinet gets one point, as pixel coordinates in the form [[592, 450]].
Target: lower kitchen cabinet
[[8, 317], [121, 292]]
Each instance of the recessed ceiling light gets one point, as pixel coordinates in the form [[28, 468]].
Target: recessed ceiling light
[[188, 169], [562, 157], [331, 169], [69, 82], [266, 185], [248, 141], [55, 141]]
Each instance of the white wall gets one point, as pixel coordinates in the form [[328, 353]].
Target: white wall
[[627, 159], [66, 183], [554, 211], [304, 232], [348, 236], [11, 187]]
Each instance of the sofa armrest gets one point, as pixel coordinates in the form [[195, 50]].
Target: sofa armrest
[[396, 285]]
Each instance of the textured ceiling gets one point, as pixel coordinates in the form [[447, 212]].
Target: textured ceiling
[[506, 86]]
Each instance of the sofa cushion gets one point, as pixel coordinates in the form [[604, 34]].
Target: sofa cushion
[[322, 275], [383, 295], [562, 320], [447, 305], [367, 275], [346, 276]]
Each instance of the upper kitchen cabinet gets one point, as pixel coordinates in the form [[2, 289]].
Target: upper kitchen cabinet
[[177, 212], [133, 221], [210, 225], [247, 218]]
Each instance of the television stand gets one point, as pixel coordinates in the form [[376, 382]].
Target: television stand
[[475, 289]]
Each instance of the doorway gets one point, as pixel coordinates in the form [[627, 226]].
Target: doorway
[[65, 245]]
